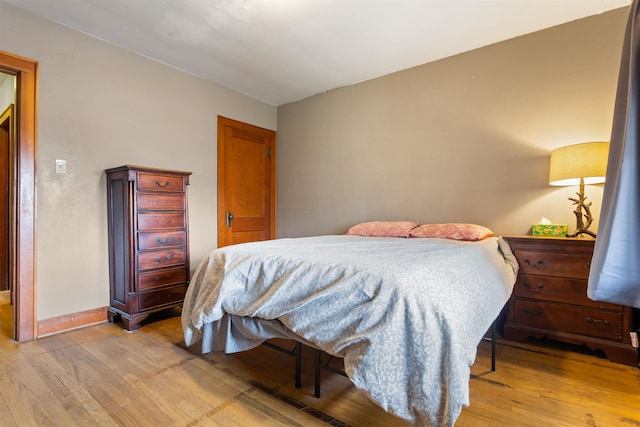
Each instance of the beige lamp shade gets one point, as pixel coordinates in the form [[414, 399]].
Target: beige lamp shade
[[570, 163]]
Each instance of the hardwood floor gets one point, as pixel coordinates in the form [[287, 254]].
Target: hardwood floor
[[103, 375], [6, 314]]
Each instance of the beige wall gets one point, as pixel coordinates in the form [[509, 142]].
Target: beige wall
[[7, 91], [464, 139], [100, 107]]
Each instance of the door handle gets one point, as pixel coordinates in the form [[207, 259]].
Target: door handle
[[229, 219]]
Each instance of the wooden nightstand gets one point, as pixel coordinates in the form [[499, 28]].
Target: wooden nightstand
[[550, 299]]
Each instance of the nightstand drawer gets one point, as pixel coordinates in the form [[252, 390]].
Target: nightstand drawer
[[166, 239], [557, 289], [159, 182], [161, 259], [572, 319], [158, 278], [559, 264], [162, 297]]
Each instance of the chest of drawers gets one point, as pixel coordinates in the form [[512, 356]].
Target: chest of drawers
[[550, 299], [148, 241]]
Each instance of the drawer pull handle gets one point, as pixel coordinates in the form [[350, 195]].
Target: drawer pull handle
[[162, 260], [605, 322], [531, 288], [528, 313], [162, 184], [158, 278], [532, 264], [163, 242]]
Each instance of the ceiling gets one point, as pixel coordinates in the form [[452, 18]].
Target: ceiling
[[279, 51]]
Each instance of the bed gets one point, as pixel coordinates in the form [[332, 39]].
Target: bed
[[405, 314]]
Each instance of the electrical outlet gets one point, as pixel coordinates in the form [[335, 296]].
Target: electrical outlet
[[634, 339], [61, 166]]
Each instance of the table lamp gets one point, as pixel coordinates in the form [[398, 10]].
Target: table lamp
[[580, 164]]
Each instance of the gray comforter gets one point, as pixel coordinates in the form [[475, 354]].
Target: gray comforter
[[405, 314]]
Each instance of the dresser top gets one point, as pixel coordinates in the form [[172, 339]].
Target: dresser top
[[145, 169], [563, 238], [551, 243]]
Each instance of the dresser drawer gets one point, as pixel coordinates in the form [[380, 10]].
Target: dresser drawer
[[161, 259], [162, 239], [559, 264], [161, 202], [154, 299], [572, 319], [159, 221], [154, 279], [160, 182], [557, 289]]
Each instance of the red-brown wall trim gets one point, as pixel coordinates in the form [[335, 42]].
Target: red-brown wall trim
[[67, 322]]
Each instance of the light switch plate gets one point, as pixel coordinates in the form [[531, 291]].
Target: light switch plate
[[61, 166]]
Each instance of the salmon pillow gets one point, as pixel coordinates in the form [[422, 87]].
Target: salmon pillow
[[383, 228], [468, 232]]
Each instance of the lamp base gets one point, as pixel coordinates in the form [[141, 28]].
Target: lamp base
[[581, 232], [582, 225]]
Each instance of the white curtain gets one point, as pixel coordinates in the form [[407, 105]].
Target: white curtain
[[615, 268]]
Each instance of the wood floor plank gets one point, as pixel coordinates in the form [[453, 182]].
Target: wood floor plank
[[176, 401], [208, 383], [73, 398], [103, 375], [6, 314], [28, 395], [542, 386], [95, 386]]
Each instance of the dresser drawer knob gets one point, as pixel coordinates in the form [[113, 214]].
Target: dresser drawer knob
[[532, 288], [163, 242], [162, 184], [528, 313], [533, 264], [605, 322], [165, 259]]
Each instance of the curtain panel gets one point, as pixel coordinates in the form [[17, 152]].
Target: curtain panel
[[615, 268]]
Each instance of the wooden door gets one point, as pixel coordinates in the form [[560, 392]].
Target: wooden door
[[246, 183]]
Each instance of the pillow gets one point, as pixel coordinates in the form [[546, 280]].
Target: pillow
[[468, 232], [383, 228]]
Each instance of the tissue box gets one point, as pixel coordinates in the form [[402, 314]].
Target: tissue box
[[552, 230]]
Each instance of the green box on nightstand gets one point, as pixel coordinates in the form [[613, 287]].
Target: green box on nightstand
[[550, 230]]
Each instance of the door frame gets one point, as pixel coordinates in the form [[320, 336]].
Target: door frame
[[24, 260]]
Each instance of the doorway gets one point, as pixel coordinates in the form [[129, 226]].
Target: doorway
[[7, 96], [246, 183], [21, 195], [6, 178]]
